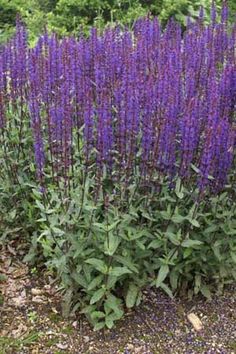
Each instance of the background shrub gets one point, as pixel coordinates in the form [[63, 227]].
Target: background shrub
[[67, 16]]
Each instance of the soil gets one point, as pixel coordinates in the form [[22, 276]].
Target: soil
[[31, 320]]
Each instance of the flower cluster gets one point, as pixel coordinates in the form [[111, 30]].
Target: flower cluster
[[153, 100]]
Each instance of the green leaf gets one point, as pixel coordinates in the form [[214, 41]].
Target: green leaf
[[233, 256], [187, 252], [162, 274], [211, 178], [99, 326], [98, 264], [57, 231], [40, 205], [174, 276], [135, 234], [178, 218], [147, 216], [223, 196], [100, 226], [197, 285], [111, 244], [139, 298], [118, 271], [195, 168], [111, 281], [113, 226], [88, 309], [140, 245], [127, 262], [67, 302], [95, 282], [104, 227], [167, 290], [205, 291], [36, 192], [178, 189], [97, 315], [80, 279], [13, 214], [174, 238], [191, 243], [194, 222], [131, 296], [109, 322], [114, 303], [165, 214], [97, 296], [87, 273], [211, 229], [155, 244]]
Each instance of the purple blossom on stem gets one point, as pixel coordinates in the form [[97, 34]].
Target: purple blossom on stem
[[152, 100]]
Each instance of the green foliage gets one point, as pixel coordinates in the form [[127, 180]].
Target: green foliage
[[7, 19], [33, 13], [8, 344], [16, 178], [105, 254], [69, 16]]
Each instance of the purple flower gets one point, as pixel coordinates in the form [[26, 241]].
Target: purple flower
[[152, 101]]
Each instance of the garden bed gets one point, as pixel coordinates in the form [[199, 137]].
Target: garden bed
[[31, 320]]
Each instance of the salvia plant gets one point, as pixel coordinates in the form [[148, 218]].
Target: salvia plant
[[118, 159]]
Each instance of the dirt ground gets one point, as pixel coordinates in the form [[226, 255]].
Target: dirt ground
[[31, 321]]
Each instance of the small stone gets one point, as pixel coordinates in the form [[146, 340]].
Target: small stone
[[36, 292], [86, 339], [35, 351], [47, 287], [62, 346], [50, 332], [38, 300], [130, 346], [75, 324], [195, 321]]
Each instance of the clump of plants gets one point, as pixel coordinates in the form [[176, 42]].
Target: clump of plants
[[118, 159]]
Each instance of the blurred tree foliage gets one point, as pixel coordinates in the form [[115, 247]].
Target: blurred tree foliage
[[33, 15], [68, 16]]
